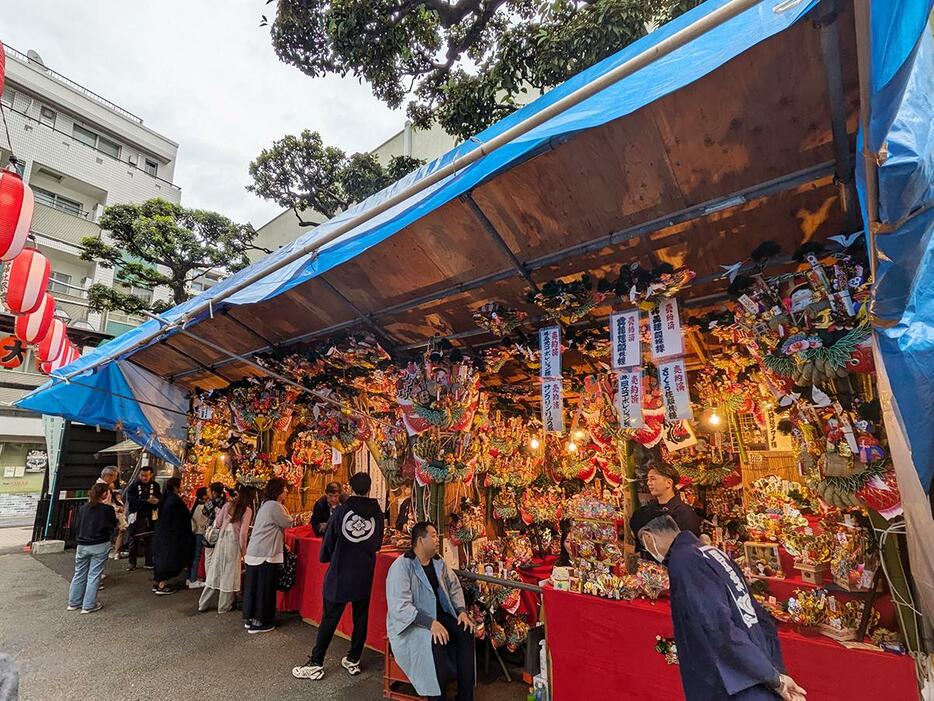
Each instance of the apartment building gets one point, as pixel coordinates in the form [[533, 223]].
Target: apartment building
[[79, 152]]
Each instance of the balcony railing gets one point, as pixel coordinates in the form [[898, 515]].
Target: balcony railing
[[62, 226], [58, 77]]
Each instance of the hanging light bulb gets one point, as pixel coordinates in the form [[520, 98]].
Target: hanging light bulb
[[714, 418], [534, 443], [572, 447]]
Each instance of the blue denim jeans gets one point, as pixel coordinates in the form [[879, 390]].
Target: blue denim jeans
[[199, 546], [89, 566]]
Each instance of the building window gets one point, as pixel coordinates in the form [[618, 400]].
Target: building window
[[9, 96], [151, 167], [56, 201], [141, 292], [47, 116], [109, 147], [60, 282], [20, 167], [96, 141]]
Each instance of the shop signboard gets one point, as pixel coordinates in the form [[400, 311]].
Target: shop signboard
[[673, 382], [665, 330], [550, 340], [625, 340], [629, 399], [552, 406]]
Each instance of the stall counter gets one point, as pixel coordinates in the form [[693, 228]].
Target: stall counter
[[598, 644]]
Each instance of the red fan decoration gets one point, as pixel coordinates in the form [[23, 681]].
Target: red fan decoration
[[28, 281], [32, 328], [12, 352], [16, 205], [50, 348]]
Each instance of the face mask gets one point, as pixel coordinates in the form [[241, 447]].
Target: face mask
[[651, 549]]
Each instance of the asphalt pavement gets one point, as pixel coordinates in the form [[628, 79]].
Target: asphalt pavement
[[144, 647]]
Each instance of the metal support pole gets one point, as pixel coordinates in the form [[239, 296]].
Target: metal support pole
[[191, 358], [487, 226], [361, 315], [716, 18], [863, 53], [230, 315]]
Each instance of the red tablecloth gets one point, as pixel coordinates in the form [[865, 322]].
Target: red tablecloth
[[539, 570], [598, 645], [305, 596]]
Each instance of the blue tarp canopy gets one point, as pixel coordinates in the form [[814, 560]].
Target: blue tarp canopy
[[692, 160]]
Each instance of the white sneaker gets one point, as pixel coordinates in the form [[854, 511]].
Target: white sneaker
[[72, 608], [97, 607], [353, 668], [197, 584], [308, 671]]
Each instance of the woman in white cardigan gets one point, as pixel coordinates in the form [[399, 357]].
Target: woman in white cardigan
[[264, 557]]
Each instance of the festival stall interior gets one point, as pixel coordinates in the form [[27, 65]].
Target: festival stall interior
[[685, 282]]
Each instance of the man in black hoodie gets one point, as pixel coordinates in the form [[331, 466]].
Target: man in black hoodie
[[353, 537]]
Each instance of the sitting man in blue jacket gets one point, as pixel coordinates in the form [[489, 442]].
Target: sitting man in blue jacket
[[727, 644], [428, 626]]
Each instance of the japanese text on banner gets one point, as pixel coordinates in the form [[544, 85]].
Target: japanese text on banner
[[552, 406], [673, 381], [550, 340], [625, 339], [629, 399], [665, 330]]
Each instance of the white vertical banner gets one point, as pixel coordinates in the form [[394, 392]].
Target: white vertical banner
[[550, 341], [337, 457], [665, 330], [629, 399], [625, 340], [673, 381], [552, 406], [776, 439]]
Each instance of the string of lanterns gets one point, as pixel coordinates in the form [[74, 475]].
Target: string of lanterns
[[25, 280]]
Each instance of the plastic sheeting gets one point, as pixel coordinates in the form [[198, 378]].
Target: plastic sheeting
[[670, 73]]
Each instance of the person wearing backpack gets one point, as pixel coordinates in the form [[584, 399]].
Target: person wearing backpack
[[353, 537]]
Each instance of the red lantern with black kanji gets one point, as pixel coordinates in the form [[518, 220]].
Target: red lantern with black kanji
[[32, 328], [16, 205], [50, 348], [12, 352], [27, 281]]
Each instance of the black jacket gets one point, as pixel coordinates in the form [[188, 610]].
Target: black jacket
[[320, 515], [96, 524], [353, 537], [683, 514], [137, 496], [173, 545], [727, 644]]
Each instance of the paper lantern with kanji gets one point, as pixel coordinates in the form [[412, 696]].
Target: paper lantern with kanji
[[50, 348], [12, 352], [16, 204], [27, 281], [33, 327]]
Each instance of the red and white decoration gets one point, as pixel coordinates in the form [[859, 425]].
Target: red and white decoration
[[51, 347], [16, 205], [69, 355], [27, 281], [33, 327]]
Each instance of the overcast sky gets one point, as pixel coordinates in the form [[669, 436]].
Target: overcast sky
[[203, 73]]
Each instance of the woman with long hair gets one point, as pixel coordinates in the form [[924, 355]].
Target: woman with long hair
[[263, 557], [173, 543], [96, 521], [223, 574]]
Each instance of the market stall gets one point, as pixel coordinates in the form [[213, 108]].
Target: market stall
[[621, 277]]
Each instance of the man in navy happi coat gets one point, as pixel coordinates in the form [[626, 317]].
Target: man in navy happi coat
[[727, 644]]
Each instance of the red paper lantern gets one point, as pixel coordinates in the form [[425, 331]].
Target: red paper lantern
[[2, 66], [69, 355], [12, 352], [16, 205], [27, 281], [33, 327], [50, 348]]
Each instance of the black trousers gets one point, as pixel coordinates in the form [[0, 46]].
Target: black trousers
[[259, 592], [455, 660], [333, 610], [140, 533]]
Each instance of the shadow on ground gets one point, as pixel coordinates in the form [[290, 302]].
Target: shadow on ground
[[140, 646]]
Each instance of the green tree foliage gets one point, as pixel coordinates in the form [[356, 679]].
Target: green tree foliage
[[301, 173], [461, 63], [159, 243]]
